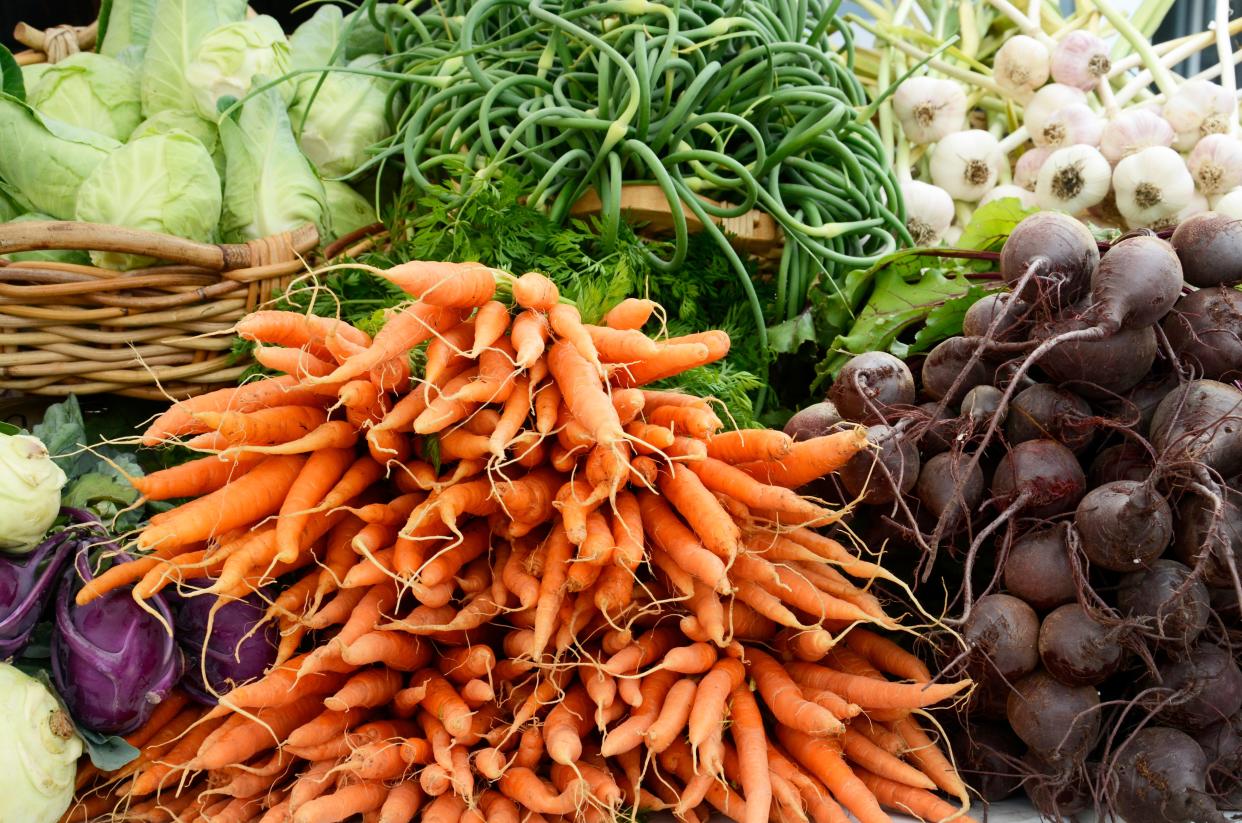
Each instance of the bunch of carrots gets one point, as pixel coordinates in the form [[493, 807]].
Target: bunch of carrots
[[518, 586]]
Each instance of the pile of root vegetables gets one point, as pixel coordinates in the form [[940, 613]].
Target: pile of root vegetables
[[518, 587], [1069, 471]]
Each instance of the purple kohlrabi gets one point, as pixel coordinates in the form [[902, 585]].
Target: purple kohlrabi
[[223, 650], [26, 583]]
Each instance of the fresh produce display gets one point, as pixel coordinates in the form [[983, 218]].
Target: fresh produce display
[[1068, 468]]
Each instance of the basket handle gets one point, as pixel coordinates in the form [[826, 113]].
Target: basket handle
[[70, 234], [58, 42]]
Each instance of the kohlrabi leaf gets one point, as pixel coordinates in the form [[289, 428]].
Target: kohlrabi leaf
[[992, 222], [108, 752], [89, 490], [63, 432], [177, 27], [44, 160], [11, 80]]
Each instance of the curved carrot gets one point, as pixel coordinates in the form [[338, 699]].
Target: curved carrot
[[810, 459], [871, 693], [670, 361], [297, 362], [286, 390], [452, 285], [535, 291], [342, 804], [196, 477], [752, 754], [529, 335], [916, 802], [701, 510], [322, 470], [630, 313]]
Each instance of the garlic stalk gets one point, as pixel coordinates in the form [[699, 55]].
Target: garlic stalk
[[929, 108], [1026, 198], [1152, 184], [1080, 60], [966, 164], [1026, 170], [1045, 103], [1199, 108], [1073, 179], [1075, 124], [929, 211], [1134, 130], [1021, 66], [1216, 164]]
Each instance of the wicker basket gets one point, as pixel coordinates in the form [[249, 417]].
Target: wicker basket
[[149, 333]]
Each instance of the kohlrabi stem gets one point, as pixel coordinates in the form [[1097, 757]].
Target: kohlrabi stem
[[1224, 51], [1138, 41]]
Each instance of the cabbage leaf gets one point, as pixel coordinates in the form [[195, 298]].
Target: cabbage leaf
[[338, 120], [269, 185], [314, 43], [44, 160], [347, 209], [163, 182], [204, 131], [125, 23], [231, 57], [91, 91], [176, 29]]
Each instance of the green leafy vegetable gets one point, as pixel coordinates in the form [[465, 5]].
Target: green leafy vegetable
[[163, 183], [176, 30], [125, 24], [347, 209], [91, 91], [204, 131], [315, 43], [12, 82], [338, 117], [232, 58], [107, 752], [992, 222]]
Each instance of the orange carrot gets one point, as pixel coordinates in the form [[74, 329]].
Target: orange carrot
[[260, 394], [886, 655], [782, 696], [325, 726], [670, 361], [535, 291], [404, 330], [669, 534], [720, 477], [809, 460], [565, 725], [529, 335], [342, 804], [916, 802], [673, 716], [453, 285], [823, 759], [567, 324], [685, 420], [551, 593], [630, 313], [862, 751], [928, 757], [298, 362], [870, 693], [621, 346], [654, 689], [335, 434], [402, 803], [396, 650], [295, 330], [236, 744], [752, 754], [701, 510], [318, 475], [196, 477], [490, 323], [749, 445], [441, 700]]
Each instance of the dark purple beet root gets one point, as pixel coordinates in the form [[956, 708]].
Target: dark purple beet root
[[937, 487], [1205, 329], [1129, 461], [982, 313], [987, 756], [1057, 721], [1204, 537], [1124, 525], [870, 385], [1044, 473], [1098, 368], [1207, 685], [1201, 421], [1162, 774], [1077, 650], [865, 475], [1140, 403], [1210, 248], [981, 404], [1002, 634], [1046, 412], [1062, 248], [813, 421], [1056, 793], [1172, 610], [936, 429], [947, 362], [1038, 569], [1136, 283], [1222, 744]]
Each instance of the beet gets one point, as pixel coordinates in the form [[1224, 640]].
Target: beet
[[1044, 474], [1002, 634], [1207, 684], [1124, 525], [1171, 605], [1062, 251], [1097, 369], [870, 385], [987, 755], [1205, 329], [981, 314], [1222, 745], [1056, 793], [1038, 569], [1044, 411], [953, 361], [1057, 721], [937, 487], [1077, 650], [813, 421], [1203, 538], [1136, 283], [863, 476], [1210, 248], [936, 432], [1161, 777], [1140, 403], [981, 404], [1128, 461], [1201, 421]]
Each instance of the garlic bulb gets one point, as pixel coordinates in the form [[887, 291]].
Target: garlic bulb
[[1026, 170], [1021, 66], [1073, 180], [1199, 108], [1198, 204], [1152, 184], [1080, 60], [1047, 102], [1076, 124], [966, 164], [929, 108], [1017, 192], [1216, 164], [1134, 130], [929, 211], [1230, 205]]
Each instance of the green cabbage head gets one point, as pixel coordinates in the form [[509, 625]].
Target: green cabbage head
[[164, 183], [347, 209], [91, 91], [204, 131], [231, 56], [337, 124]]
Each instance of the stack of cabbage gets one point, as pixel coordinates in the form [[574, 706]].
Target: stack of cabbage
[[148, 132]]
